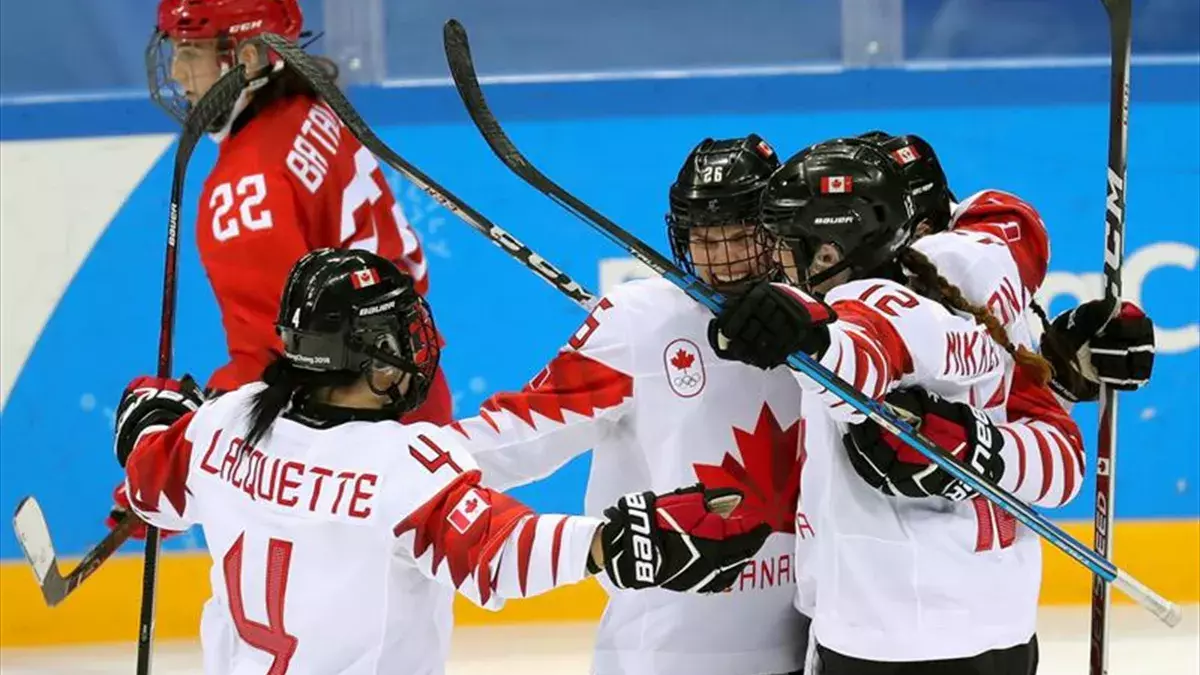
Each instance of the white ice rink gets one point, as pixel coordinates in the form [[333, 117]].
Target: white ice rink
[[1140, 646]]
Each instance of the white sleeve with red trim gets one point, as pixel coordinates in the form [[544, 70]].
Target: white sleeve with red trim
[[573, 404], [156, 475], [1043, 447], [1013, 221], [887, 336], [485, 544]]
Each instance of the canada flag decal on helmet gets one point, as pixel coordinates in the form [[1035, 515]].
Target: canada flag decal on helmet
[[765, 149], [364, 278], [837, 184], [906, 155]]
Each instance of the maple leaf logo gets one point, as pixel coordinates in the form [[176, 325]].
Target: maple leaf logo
[[768, 475], [471, 506], [682, 360]]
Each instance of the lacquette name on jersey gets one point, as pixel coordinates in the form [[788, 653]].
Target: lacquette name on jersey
[[291, 484]]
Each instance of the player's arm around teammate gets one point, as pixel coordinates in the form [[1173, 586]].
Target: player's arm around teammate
[[354, 519]]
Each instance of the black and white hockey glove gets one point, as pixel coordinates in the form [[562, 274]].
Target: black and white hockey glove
[[152, 403], [681, 541], [1097, 343], [890, 466], [769, 323]]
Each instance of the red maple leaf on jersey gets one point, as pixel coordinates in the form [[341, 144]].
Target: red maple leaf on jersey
[[682, 360], [768, 475]]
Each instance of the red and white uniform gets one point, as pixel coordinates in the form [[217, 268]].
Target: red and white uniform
[[291, 180], [997, 252], [959, 579], [639, 385], [338, 550], [901, 579]]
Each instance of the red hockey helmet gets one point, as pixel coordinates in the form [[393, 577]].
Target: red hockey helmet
[[233, 19], [227, 22]]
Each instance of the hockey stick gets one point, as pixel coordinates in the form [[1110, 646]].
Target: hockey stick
[[216, 103], [1119, 17], [29, 523], [301, 63], [33, 533], [463, 70]]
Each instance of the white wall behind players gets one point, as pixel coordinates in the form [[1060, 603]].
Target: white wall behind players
[[56, 198]]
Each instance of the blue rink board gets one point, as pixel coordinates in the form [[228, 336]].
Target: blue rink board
[[502, 323]]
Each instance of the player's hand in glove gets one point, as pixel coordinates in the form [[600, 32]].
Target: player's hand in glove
[[121, 510], [152, 404], [769, 323], [1099, 342], [890, 466], [147, 404], [681, 541]]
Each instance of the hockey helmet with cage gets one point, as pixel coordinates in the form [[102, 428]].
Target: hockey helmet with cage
[[844, 192], [720, 184], [227, 22], [927, 181], [354, 311]]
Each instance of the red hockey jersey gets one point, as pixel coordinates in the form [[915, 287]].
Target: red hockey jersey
[[293, 179]]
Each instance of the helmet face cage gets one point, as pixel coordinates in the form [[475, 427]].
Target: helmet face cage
[[714, 211]]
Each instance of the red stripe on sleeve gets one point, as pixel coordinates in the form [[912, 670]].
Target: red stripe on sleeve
[[1047, 462], [555, 547], [1020, 456], [1068, 468], [525, 550]]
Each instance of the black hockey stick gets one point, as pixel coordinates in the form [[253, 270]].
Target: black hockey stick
[[215, 105], [462, 69], [29, 523], [301, 63], [1119, 17], [33, 533]]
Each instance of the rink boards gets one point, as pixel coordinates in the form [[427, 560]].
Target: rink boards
[[85, 187]]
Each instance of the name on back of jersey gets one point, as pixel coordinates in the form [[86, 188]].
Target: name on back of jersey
[[317, 141], [321, 490]]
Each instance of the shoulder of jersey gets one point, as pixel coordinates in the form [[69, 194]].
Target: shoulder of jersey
[[986, 202], [855, 290], [651, 297], [265, 142]]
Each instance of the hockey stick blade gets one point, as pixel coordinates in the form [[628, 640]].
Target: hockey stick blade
[[462, 69], [301, 63], [33, 533]]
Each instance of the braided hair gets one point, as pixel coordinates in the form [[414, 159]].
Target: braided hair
[[926, 274]]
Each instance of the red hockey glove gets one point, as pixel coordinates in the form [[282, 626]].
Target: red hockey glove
[[121, 510], [681, 541]]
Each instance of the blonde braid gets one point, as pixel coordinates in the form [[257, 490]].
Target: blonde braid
[[927, 274]]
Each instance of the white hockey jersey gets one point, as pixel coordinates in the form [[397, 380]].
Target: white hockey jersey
[[639, 385], [997, 254], [338, 550]]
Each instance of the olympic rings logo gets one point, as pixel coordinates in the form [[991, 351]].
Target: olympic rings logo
[[687, 380]]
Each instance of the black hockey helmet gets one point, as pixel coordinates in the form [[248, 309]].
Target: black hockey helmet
[[719, 184], [927, 181], [844, 192], [352, 311]]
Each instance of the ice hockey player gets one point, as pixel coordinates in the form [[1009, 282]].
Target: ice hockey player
[[1097, 342], [339, 534], [638, 385], [916, 573], [289, 179]]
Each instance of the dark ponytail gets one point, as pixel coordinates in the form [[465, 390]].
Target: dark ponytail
[[285, 384]]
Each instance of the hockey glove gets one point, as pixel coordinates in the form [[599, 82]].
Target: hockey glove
[[681, 541], [1099, 343], [152, 404], [121, 510], [768, 324], [887, 464]]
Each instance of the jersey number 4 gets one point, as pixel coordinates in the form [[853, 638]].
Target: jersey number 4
[[271, 638]]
